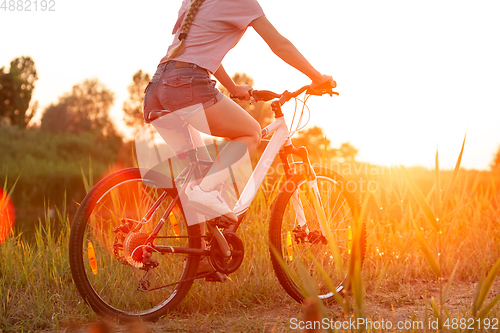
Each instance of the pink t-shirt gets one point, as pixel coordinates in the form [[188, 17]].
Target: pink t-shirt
[[217, 28]]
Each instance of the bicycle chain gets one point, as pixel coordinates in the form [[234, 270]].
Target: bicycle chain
[[200, 276], [193, 278]]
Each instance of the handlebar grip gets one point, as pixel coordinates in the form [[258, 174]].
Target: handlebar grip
[[324, 88], [236, 97], [250, 92], [265, 95]]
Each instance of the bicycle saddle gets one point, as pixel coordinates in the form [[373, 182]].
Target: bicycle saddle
[[171, 120]]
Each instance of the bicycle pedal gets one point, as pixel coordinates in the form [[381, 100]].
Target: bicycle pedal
[[216, 277], [223, 222]]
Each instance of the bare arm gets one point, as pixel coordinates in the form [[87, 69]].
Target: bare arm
[[224, 79], [284, 49], [241, 91]]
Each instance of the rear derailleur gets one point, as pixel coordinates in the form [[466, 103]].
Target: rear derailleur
[[130, 248]]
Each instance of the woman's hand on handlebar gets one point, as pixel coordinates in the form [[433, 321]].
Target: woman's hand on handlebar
[[320, 83], [243, 92]]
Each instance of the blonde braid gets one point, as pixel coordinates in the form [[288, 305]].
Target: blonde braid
[[186, 25]]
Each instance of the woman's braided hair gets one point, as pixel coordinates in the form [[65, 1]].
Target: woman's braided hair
[[186, 25]]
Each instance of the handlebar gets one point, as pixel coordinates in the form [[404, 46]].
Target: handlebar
[[266, 95]]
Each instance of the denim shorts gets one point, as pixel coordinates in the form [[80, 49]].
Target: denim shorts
[[177, 89]]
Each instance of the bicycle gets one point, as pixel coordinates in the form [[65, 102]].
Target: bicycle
[[132, 254]]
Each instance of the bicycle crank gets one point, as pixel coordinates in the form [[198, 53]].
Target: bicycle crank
[[222, 263]]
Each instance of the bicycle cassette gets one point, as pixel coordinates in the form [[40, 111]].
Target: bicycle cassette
[[224, 264], [132, 248]]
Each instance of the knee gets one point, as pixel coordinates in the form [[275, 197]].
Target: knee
[[256, 136]]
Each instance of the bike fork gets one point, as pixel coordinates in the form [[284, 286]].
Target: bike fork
[[325, 229], [318, 207], [312, 189], [300, 217]]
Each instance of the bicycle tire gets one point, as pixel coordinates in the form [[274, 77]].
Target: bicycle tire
[[281, 223], [107, 290]]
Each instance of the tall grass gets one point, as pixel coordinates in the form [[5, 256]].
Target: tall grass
[[441, 221], [36, 288], [407, 244], [440, 229]]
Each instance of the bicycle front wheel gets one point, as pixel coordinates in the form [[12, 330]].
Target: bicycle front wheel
[[106, 254], [298, 246]]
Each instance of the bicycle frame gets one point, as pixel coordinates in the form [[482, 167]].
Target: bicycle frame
[[279, 139], [279, 144]]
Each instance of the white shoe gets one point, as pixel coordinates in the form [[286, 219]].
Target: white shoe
[[211, 203]]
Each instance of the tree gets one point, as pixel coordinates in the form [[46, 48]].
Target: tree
[[319, 149], [6, 96], [133, 107], [16, 91], [84, 109], [347, 152], [56, 118], [315, 141], [495, 164]]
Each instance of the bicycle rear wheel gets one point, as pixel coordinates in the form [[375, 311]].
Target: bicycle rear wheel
[[106, 261], [298, 249]]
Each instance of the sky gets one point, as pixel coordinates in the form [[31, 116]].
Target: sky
[[413, 76]]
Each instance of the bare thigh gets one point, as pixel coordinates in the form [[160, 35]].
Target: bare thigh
[[227, 119], [176, 141]]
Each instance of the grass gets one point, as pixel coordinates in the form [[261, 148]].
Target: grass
[[36, 289], [428, 233]]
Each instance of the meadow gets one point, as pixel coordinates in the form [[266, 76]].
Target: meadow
[[432, 252]]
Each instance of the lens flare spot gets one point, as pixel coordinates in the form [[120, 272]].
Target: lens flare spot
[[289, 245], [7, 216], [173, 223], [92, 259]]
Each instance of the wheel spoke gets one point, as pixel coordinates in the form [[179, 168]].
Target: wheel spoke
[[113, 275]]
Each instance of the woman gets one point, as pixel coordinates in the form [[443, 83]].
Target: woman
[[204, 32]]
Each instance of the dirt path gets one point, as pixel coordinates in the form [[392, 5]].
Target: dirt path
[[404, 304]]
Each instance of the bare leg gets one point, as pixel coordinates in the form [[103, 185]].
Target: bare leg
[[202, 152], [227, 119], [176, 141]]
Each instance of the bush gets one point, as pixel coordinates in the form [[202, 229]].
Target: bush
[[49, 167]]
